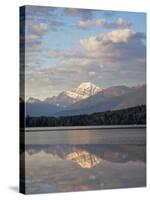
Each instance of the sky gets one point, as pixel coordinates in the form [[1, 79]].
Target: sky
[[66, 46]]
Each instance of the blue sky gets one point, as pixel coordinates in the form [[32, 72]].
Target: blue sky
[[65, 47]]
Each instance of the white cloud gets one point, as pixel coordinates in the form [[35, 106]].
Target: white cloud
[[115, 45], [40, 27], [65, 54], [122, 22], [86, 24], [118, 36], [117, 24]]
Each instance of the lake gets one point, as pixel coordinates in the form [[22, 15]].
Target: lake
[[84, 158]]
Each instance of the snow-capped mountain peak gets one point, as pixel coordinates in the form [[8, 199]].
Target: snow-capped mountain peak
[[87, 89], [83, 91]]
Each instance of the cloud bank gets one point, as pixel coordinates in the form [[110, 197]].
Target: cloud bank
[[117, 24], [67, 46]]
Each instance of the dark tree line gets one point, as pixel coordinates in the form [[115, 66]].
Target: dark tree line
[[134, 115]]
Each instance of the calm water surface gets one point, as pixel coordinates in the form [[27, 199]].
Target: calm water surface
[[80, 160]]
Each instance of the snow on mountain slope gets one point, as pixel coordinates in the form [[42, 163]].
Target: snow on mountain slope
[[86, 89], [83, 91]]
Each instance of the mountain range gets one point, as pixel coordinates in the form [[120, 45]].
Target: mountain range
[[87, 98]]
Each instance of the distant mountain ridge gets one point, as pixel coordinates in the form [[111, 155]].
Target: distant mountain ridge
[[87, 98], [51, 105], [113, 98]]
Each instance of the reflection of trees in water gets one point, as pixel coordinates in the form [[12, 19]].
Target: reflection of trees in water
[[90, 155]]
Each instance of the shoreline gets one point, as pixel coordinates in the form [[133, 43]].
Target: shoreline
[[69, 128]]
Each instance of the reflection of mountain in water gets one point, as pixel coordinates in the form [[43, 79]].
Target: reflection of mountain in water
[[88, 156], [83, 158]]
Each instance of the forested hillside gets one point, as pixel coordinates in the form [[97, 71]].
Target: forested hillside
[[134, 115]]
